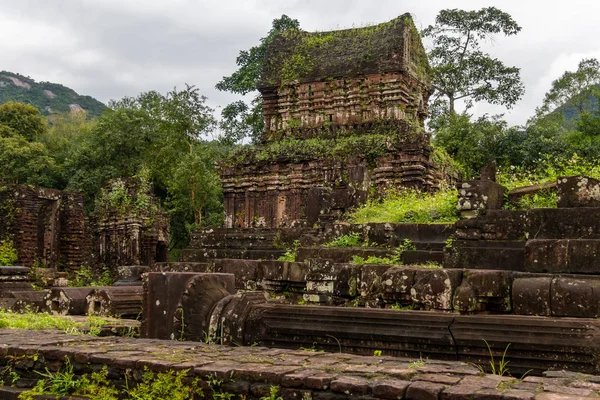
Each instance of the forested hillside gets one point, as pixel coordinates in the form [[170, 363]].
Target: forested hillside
[[49, 98]]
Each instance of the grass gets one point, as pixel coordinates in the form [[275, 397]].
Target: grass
[[41, 321], [409, 206]]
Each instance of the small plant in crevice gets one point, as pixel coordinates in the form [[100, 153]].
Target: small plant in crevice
[[500, 368], [290, 253], [215, 386], [418, 363], [350, 240], [273, 394]]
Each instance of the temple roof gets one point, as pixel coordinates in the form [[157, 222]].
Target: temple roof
[[302, 56]]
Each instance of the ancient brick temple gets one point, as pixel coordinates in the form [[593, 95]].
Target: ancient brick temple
[[130, 228], [344, 114], [46, 226], [49, 227]]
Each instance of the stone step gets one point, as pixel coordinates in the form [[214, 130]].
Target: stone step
[[491, 257], [203, 255], [575, 256], [531, 343], [422, 257], [395, 234]]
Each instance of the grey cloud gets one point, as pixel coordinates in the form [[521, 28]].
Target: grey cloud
[[161, 44]]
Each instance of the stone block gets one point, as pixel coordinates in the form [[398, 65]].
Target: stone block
[[131, 275], [484, 290], [67, 301], [164, 301], [390, 388], [245, 271], [575, 256], [434, 288], [424, 391], [479, 195], [573, 297], [397, 282], [115, 301], [578, 191], [531, 296]]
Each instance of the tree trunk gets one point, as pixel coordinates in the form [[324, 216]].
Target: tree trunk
[[451, 101]]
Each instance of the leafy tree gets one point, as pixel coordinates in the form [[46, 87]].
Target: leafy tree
[[26, 162], [166, 135], [576, 90], [460, 69], [471, 144], [239, 120], [23, 119]]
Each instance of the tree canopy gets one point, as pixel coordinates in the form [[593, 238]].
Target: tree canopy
[[240, 120], [459, 67]]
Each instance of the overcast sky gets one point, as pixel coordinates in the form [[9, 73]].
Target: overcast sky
[[114, 48]]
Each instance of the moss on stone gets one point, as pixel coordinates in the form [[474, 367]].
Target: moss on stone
[[298, 55]]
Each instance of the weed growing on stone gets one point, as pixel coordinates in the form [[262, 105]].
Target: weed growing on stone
[[418, 363], [7, 375], [351, 240], [409, 206], [500, 368], [290, 254], [399, 306], [86, 276], [215, 386], [273, 394], [374, 260], [543, 199], [165, 385], [377, 353]]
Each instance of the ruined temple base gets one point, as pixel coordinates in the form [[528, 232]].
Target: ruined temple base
[[249, 372]]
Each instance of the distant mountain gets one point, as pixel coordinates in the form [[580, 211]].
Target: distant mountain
[[49, 98]]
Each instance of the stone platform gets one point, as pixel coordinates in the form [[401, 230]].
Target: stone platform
[[249, 372]]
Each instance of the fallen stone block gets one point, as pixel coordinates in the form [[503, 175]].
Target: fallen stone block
[[174, 304], [131, 275], [578, 191], [29, 301], [67, 301], [115, 301]]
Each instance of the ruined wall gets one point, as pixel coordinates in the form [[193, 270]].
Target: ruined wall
[[46, 226], [129, 226]]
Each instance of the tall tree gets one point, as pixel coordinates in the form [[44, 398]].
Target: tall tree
[[460, 69], [240, 120]]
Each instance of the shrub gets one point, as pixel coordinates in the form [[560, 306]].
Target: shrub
[[409, 206]]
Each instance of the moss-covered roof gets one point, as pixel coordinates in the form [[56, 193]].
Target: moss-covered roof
[[319, 56]]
